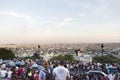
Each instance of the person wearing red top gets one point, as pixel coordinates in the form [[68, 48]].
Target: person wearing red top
[[20, 70], [36, 75]]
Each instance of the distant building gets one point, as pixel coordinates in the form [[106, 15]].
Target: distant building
[[85, 58]]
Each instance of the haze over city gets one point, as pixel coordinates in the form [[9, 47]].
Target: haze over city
[[69, 21]]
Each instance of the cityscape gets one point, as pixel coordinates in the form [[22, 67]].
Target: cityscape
[[59, 39], [49, 50]]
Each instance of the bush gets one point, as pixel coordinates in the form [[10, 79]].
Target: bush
[[36, 56], [105, 59], [6, 54]]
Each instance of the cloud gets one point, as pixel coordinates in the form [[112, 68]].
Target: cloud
[[64, 22], [100, 10], [90, 8], [77, 3], [82, 14], [35, 26], [15, 14], [30, 21]]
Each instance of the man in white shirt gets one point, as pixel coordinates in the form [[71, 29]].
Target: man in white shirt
[[3, 73], [9, 75], [111, 76], [61, 73]]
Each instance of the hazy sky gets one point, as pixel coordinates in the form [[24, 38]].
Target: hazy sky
[[59, 21]]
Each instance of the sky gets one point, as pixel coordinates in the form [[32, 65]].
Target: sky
[[59, 21]]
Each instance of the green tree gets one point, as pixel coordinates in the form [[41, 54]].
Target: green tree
[[6, 54], [105, 59], [36, 56], [69, 57], [118, 61]]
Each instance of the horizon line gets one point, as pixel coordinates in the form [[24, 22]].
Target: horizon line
[[61, 43]]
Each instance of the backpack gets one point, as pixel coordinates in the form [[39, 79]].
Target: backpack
[[48, 75], [13, 76], [30, 74]]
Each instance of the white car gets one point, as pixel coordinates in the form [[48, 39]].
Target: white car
[[97, 74], [91, 72]]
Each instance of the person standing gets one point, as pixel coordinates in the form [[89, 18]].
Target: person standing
[[61, 73], [9, 75], [117, 76], [111, 76], [3, 73], [45, 72]]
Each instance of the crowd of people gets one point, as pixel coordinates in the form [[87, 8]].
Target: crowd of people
[[35, 70], [56, 70]]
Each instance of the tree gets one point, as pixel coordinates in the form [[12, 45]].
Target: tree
[[36, 56], [105, 59], [118, 61], [6, 54]]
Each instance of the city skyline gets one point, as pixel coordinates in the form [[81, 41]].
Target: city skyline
[[59, 21]]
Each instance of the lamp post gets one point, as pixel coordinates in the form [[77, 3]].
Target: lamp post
[[38, 49], [102, 46]]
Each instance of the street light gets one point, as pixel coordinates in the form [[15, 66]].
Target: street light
[[38, 46], [38, 49], [102, 46]]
